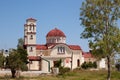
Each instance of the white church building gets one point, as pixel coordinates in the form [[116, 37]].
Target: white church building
[[43, 57]]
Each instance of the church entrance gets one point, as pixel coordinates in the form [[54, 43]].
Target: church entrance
[[78, 63]]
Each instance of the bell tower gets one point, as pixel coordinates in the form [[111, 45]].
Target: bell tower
[[30, 36]]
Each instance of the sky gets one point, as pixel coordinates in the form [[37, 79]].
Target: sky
[[50, 14]]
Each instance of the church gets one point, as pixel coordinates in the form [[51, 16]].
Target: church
[[44, 57]]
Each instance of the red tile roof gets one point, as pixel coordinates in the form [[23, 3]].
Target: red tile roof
[[41, 47], [55, 33], [30, 44], [31, 19], [50, 46], [34, 58], [87, 55], [74, 47]]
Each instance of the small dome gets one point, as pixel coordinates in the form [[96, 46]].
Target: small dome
[[55, 33]]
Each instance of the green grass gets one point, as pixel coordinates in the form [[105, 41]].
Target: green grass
[[75, 75]]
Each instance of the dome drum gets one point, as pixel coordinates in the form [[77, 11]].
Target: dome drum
[[55, 36]]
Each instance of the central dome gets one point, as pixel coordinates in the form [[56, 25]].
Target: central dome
[[55, 33]]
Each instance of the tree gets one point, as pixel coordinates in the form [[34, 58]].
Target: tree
[[20, 43], [2, 60], [22, 51], [23, 54], [99, 18], [17, 60], [13, 62]]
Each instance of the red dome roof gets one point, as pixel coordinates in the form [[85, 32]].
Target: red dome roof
[[55, 32]]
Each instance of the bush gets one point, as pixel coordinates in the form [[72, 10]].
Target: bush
[[86, 65], [90, 64], [94, 65], [63, 70], [118, 66]]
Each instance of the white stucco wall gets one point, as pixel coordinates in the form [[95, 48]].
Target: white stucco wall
[[44, 66], [56, 40], [102, 63], [54, 51], [33, 52], [67, 62], [31, 41], [76, 56], [34, 65], [82, 60], [65, 57]]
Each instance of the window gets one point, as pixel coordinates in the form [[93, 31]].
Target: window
[[31, 49], [31, 36], [61, 49], [57, 63], [30, 27], [33, 28], [52, 40]]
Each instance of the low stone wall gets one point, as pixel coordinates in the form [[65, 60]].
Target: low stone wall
[[5, 73], [33, 73], [25, 73]]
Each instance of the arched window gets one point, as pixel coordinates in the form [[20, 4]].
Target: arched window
[[78, 63], [31, 36], [31, 27], [31, 49], [61, 49]]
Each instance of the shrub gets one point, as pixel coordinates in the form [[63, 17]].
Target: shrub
[[94, 65], [90, 64], [86, 65], [63, 70], [118, 67]]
